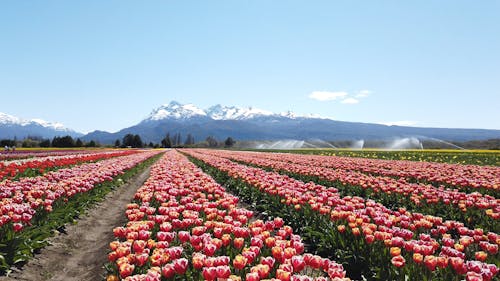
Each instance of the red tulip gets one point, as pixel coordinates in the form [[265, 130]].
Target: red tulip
[[252, 276], [473, 276], [430, 262], [283, 275], [298, 263], [209, 249], [141, 259], [458, 265], [223, 271], [183, 236], [398, 261], [168, 270], [180, 265], [268, 260], [198, 261], [126, 269], [239, 262], [139, 246], [238, 242], [341, 228], [481, 256], [209, 273]]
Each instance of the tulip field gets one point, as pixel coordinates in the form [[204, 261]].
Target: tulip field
[[378, 221], [40, 194], [205, 214], [466, 157], [185, 226]]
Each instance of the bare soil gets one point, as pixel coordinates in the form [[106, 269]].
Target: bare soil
[[80, 253]]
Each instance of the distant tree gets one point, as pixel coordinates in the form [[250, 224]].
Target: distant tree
[[55, 141], [7, 142], [229, 142], [176, 139], [166, 141], [137, 141], [150, 144], [179, 139], [91, 143], [66, 141], [79, 143], [117, 143], [128, 140], [212, 142], [35, 138], [45, 143], [29, 143], [189, 140]]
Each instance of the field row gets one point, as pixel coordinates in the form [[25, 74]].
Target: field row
[[38, 165], [31, 207], [184, 226], [464, 157], [483, 210], [463, 176], [428, 245]]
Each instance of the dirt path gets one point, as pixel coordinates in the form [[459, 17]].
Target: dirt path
[[81, 253]]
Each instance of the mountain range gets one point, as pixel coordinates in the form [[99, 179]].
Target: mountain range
[[12, 127], [241, 124]]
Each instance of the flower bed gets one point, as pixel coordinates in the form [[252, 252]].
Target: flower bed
[[182, 225], [420, 245], [32, 207]]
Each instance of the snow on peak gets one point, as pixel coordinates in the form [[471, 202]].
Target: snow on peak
[[288, 114], [219, 112], [175, 110], [12, 120], [43, 123], [9, 119]]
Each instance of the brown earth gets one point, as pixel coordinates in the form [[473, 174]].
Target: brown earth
[[81, 253]]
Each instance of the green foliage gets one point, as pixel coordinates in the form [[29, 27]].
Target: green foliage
[[212, 142], [132, 141], [66, 141], [79, 143], [229, 142]]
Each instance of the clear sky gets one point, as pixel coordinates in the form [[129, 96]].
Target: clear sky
[[106, 64]]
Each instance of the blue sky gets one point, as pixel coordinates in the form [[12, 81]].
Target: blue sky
[[106, 64]]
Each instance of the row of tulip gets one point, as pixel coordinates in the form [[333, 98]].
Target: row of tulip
[[451, 202], [416, 241], [20, 200], [38, 165], [185, 226], [471, 177], [24, 154], [452, 156], [32, 208]]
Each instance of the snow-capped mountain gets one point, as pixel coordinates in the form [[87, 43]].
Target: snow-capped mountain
[[176, 110], [219, 112], [249, 123], [12, 126]]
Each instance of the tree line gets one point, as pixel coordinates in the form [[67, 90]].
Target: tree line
[[33, 141], [129, 140]]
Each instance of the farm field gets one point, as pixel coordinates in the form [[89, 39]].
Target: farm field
[[204, 214], [472, 157]]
